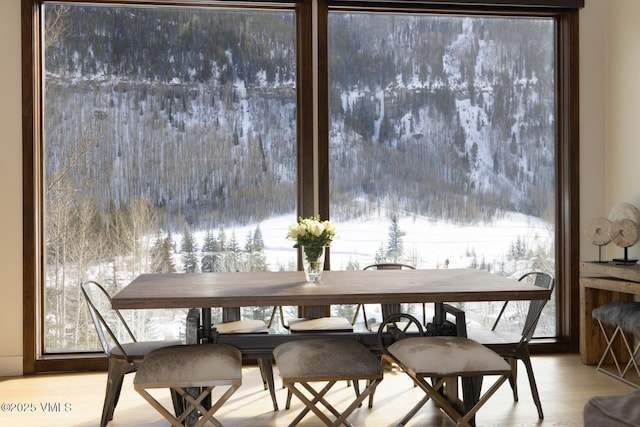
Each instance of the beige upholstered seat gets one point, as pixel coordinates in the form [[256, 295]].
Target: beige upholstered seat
[[430, 361], [443, 356], [613, 411], [185, 368], [318, 325], [326, 360]]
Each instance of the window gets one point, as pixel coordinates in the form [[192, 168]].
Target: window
[[189, 136], [442, 145], [168, 146]]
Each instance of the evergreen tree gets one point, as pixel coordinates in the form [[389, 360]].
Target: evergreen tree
[[258, 241], [256, 258], [518, 250], [474, 156], [161, 260], [387, 132], [381, 256], [248, 245], [395, 246], [222, 239], [209, 253], [233, 254], [189, 249]]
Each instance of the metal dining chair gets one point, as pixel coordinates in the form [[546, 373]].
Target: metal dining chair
[[118, 342], [387, 309], [515, 346]]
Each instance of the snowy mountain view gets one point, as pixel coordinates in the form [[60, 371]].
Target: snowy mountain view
[[170, 145]]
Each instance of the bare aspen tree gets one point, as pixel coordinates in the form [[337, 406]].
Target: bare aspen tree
[[69, 223]]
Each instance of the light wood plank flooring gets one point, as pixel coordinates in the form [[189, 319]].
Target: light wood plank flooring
[[75, 400]]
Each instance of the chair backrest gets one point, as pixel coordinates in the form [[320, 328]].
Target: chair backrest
[[543, 280], [389, 266], [111, 327], [389, 309], [231, 314]]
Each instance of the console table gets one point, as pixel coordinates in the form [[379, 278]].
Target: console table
[[601, 283]]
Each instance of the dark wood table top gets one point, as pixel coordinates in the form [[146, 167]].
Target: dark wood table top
[[195, 290]]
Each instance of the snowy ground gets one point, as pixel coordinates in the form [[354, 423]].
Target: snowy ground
[[427, 242]]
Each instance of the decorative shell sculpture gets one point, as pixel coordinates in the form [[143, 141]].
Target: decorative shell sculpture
[[621, 226], [625, 220], [597, 231]]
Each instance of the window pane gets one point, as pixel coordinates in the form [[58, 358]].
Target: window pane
[[169, 145], [442, 145]]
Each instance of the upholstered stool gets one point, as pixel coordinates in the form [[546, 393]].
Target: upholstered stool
[[326, 360], [189, 368], [613, 411], [443, 358], [616, 320]]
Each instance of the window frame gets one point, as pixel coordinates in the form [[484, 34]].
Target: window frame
[[313, 146], [567, 143]]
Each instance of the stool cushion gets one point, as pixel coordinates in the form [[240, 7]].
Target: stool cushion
[[613, 411], [190, 364], [611, 313], [325, 358], [630, 318], [334, 324], [242, 327], [446, 356]]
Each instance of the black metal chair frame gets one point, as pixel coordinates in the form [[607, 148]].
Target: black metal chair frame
[[519, 350], [121, 361], [387, 309]]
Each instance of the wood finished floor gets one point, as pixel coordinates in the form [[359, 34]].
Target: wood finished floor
[[564, 383]]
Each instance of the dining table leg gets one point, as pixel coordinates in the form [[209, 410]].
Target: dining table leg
[[206, 325], [438, 314]]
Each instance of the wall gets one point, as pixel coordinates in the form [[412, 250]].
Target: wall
[[622, 96], [592, 117], [11, 191], [609, 58], [609, 54]]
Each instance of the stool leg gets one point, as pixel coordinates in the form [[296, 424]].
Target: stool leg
[[609, 348], [632, 360], [310, 404], [414, 410]]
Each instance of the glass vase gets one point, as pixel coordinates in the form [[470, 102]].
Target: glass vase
[[313, 262]]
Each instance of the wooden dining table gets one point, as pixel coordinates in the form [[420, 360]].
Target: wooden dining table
[[289, 288], [185, 290], [286, 288]]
